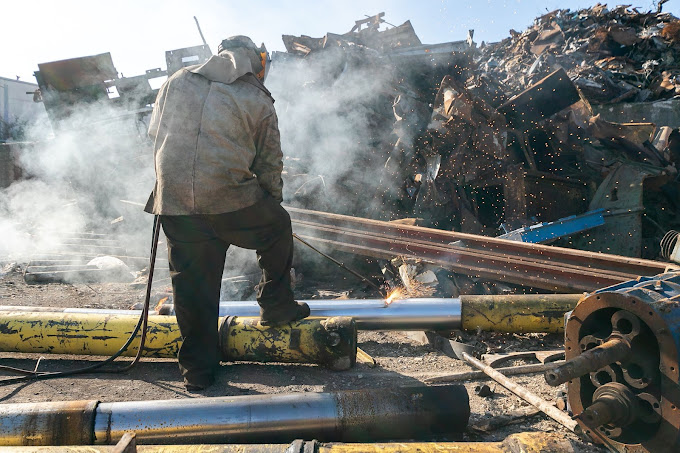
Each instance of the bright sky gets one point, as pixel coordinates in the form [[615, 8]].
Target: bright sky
[[138, 32]]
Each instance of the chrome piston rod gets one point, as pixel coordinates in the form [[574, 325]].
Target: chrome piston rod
[[374, 314], [351, 416], [369, 314]]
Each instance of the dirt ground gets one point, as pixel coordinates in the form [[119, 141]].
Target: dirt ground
[[400, 361]]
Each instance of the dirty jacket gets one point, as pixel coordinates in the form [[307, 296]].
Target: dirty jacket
[[216, 139]]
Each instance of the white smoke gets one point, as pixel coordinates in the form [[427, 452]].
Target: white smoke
[[334, 109], [74, 183], [335, 116]]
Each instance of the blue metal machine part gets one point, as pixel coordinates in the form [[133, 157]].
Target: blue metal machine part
[[621, 346], [542, 233]]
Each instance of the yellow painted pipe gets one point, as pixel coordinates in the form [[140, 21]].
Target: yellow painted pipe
[[534, 442], [518, 313], [327, 341], [85, 334]]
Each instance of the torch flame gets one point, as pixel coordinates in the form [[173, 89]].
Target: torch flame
[[395, 294]]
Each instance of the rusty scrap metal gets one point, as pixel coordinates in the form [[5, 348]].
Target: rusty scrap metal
[[631, 402], [531, 398], [613, 404], [542, 356], [541, 100], [54, 423], [548, 359], [601, 49], [534, 265], [349, 416]]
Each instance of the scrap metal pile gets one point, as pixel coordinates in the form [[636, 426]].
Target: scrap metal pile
[[612, 55], [487, 140]]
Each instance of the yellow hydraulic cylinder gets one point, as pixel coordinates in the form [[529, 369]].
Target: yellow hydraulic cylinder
[[518, 313], [534, 442], [327, 341]]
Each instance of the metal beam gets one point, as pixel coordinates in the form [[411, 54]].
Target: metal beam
[[540, 266]]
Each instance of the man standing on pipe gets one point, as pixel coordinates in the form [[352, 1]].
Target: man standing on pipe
[[218, 182]]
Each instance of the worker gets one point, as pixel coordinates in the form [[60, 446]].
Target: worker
[[218, 166]]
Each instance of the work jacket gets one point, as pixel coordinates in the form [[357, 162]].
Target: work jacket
[[216, 139]]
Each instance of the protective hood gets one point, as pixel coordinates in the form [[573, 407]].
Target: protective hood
[[226, 67]]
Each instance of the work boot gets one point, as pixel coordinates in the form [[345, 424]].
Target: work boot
[[198, 381], [277, 316]]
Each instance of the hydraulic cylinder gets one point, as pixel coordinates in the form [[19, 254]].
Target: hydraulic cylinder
[[347, 416], [326, 341]]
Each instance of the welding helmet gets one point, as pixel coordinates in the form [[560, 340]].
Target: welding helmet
[[260, 60]]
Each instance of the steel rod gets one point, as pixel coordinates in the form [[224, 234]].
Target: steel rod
[[375, 314], [611, 351], [594, 259], [534, 368], [528, 396]]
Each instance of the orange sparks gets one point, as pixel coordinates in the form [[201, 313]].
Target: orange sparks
[[395, 294], [160, 303]]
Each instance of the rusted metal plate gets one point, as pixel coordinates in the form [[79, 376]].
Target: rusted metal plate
[[541, 100], [66, 75]]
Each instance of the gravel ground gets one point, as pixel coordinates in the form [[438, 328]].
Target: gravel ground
[[400, 361]]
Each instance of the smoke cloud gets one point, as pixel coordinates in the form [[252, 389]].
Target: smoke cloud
[[335, 116], [78, 181]]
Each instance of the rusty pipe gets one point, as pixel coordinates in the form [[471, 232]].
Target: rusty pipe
[[613, 350], [347, 416]]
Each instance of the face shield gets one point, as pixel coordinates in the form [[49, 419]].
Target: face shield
[[266, 61]]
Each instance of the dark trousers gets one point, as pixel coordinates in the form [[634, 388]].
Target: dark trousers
[[197, 245]]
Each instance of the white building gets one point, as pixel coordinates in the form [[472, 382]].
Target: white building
[[17, 107]]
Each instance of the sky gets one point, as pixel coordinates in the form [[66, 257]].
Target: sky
[[138, 32]]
